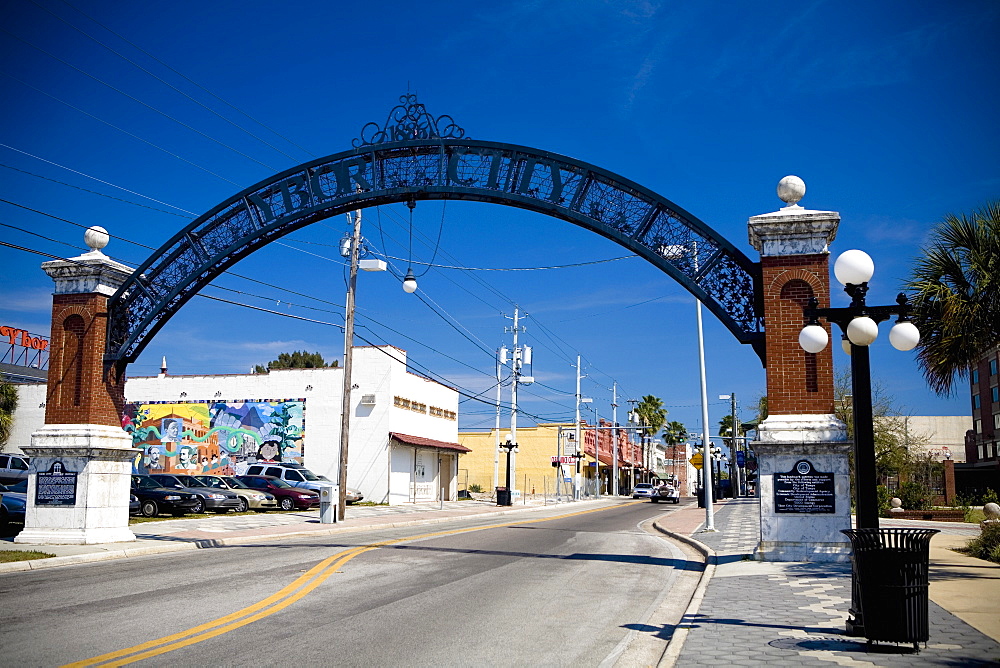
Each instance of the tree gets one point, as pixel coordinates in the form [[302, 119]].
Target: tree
[[956, 287], [894, 442], [675, 433], [8, 404], [651, 413], [297, 360]]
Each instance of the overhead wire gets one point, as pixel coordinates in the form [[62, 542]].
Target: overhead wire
[[161, 80], [137, 100], [189, 80]]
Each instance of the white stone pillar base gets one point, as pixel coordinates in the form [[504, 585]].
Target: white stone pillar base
[[812, 537], [102, 457]]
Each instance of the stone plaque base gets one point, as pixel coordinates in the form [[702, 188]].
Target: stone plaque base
[[101, 456], [791, 531]]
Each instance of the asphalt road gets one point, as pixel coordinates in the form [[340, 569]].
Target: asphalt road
[[540, 590]]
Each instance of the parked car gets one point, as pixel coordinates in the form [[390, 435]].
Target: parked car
[[298, 475], [643, 490], [211, 498], [249, 498], [134, 507], [155, 499], [289, 497], [13, 468], [665, 492], [13, 501]]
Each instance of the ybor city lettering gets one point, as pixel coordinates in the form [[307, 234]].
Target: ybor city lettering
[[473, 167], [20, 337]]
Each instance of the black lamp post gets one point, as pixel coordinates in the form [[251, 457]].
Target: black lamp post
[[859, 322], [509, 446]]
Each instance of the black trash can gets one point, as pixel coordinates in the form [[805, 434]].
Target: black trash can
[[701, 496], [503, 496], [890, 582]]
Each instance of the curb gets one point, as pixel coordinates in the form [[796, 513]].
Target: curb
[[204, 543], [676, 643]]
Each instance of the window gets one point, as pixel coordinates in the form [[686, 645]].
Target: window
[[993, 367], [975, 402], [979, 426], [995, 393], [975, 376], [996, 420]]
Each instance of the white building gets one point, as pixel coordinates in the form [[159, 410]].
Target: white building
[[404, 427]]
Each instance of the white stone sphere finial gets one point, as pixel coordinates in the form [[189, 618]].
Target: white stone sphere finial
[[791, 189], [96, 238]]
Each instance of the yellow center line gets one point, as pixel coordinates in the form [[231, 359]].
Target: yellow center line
[[280, 600]]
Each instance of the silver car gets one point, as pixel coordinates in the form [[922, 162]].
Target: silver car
[[643, 490]]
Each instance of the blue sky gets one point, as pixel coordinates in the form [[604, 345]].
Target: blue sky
[[886, 110]]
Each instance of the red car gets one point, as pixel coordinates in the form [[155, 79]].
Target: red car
[[289, 498]]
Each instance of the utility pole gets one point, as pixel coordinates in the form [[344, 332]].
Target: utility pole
[[519, 356], [614, 438], [345, 409], [576, 433]]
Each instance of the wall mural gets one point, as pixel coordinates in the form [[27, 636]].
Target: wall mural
[[214, 436]]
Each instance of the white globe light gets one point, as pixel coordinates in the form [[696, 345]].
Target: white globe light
[[845, 345], [862, 331], [904, 336], [813, 338], [854, 267], [410, 282]]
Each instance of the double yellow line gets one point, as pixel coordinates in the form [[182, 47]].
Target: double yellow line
[[278, 601]]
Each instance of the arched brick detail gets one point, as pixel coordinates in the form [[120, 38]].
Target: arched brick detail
[[797, 382], [81, 388]]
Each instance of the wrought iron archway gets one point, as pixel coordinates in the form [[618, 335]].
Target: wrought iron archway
[[416, 156]]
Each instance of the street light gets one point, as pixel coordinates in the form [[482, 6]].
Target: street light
[[859, 322], [509, 446]]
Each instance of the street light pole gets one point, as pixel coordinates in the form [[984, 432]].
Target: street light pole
[[510, 446], [859, 322]]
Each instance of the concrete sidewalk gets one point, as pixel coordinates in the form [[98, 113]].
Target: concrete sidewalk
[[747, 613]]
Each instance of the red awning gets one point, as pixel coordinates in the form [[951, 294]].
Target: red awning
[[421, 442]]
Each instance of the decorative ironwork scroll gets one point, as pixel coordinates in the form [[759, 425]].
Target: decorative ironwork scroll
[[409, 120], [388, 166]]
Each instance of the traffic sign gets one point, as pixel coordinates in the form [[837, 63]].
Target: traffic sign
[[697, 460]]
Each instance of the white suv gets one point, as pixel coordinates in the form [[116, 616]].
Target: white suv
[[13, 468], [297, 475]]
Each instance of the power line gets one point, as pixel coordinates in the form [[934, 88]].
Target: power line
[[135, 99]]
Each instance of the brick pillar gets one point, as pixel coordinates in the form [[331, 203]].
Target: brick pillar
[[802, 450], [81, 390], [795, 266], [949, 482], [82, 443]]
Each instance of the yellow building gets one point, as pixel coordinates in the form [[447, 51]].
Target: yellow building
[[533, 473]]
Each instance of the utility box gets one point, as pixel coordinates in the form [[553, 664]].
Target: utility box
[[329, 495]]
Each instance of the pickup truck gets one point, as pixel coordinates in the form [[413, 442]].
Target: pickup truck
[[665, 492]]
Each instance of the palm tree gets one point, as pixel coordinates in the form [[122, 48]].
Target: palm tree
[[957, 295], [652, 414], [8, 403], [675, 433]]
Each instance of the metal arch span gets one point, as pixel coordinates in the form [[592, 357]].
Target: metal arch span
[[651, 226]]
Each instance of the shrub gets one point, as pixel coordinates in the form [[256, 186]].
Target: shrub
[[475, 487], [914, 496], [990, 497], [987, 545], [884, 496]]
